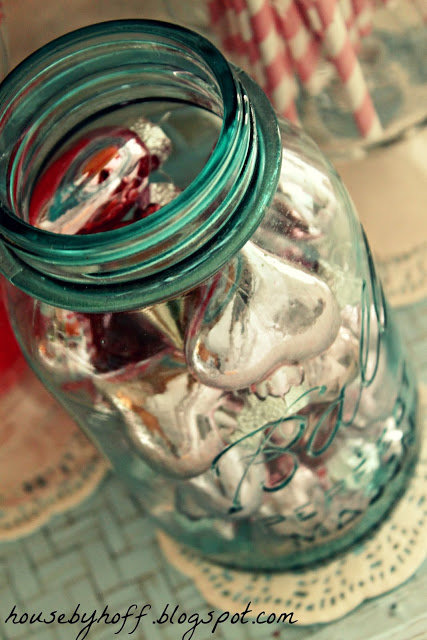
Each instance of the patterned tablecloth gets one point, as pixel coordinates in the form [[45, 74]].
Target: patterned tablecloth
[[104, 552]]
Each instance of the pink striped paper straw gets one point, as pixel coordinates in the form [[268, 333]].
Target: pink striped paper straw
[[235, 35], [274, 55], [325, 16], [364, 15], [350, 19], [357, 15], [225, 26], [251, 29], [254, 56], [304, 46]]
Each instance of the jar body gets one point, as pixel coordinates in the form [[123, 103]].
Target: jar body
[[265, 413], [270, 403]]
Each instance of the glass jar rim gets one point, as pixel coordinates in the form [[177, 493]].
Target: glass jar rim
[[213, 58], [24, 240]]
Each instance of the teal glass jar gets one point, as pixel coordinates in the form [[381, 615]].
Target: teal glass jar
[[231, 351]]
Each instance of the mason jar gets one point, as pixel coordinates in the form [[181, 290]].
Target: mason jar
[[188, 277]]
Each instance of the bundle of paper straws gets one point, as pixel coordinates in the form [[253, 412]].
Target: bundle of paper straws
[[281, 40]]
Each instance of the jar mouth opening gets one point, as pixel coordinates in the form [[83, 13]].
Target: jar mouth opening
[[37, 69]]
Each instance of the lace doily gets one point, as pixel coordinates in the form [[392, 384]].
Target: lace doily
[[376, 565], [46, 464], [404, 276]]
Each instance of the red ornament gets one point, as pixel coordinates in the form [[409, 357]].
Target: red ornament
[[94, 184], [100, 182]]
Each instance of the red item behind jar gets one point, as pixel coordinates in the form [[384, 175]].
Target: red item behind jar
[[12, 363]]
